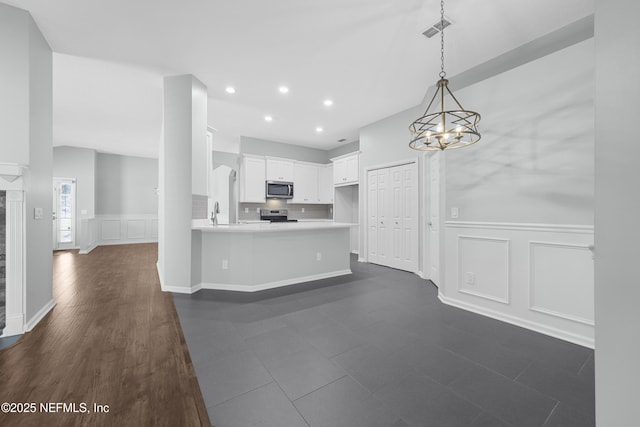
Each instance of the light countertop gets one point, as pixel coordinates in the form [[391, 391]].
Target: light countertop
[[267, 227]]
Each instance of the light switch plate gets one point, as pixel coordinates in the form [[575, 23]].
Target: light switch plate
[[455, 212], [38, 213], [246, 210]]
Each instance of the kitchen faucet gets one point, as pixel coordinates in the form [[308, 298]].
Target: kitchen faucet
[[214, 214]]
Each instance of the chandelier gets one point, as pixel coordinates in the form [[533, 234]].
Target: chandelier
[[449, 126]]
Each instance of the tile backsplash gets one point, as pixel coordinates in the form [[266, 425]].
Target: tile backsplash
[[295, 210], [198, 206]]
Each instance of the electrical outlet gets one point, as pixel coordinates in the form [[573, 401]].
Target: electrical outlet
[[302, 210], [318, 256], [470, 278], [225, 264], [257, 210], [246, 210], [83, 212]]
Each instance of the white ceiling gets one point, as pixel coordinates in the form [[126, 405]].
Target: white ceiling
[[368, 56]]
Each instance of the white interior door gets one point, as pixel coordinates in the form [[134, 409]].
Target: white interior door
[[64, 213], [434, 218], [410, 233], [382, 213], [392, 217], [372, 216]]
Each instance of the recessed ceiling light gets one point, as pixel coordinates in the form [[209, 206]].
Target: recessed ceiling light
[[283, 89], [230, 89], [268, 118], [328, 103], [319, 129]]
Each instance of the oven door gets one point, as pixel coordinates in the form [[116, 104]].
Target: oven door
[[279, 190]]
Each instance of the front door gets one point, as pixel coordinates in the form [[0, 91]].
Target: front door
[[64, 213]]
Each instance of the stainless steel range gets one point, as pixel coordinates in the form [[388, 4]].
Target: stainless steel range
[[276, 215]]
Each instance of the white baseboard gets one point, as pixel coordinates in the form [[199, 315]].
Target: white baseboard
[[271, 285], [14, 325], [420, 274], [88, 249], [534, 326], [361, 259], [182, 290], [40, 315]]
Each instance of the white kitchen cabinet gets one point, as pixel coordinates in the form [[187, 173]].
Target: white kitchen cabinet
[[345, 170], [305, 183], [280, 170], [252, 180], [325, 184]]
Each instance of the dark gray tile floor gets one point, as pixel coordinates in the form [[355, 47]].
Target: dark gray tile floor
[[376, 348]]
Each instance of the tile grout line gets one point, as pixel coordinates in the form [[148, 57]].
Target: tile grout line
[[550, 414]]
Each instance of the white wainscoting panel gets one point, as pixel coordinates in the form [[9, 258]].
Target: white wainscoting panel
[[483, 267], [124, 229], [110, 229], [135, 229], [561, 280], [539, 276], [154, 229]]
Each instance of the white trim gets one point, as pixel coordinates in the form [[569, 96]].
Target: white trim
[[342, 156], [14, 325], [420, 274], [558, 228], [534, 326], [182, 290], [531, 284], [88, 249], [40, 315], [507, 263], [271, 285]]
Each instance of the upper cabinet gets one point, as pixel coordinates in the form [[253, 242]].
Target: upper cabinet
[[305, 183], [346, 169], [325, 184], [252, 180], [280, 170]]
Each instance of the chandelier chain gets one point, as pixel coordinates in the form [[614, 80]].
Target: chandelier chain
[[442, 73]]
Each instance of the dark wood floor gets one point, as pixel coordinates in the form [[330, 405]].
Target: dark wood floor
[[113, 339]]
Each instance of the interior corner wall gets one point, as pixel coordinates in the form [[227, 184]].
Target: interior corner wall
[[38, 178], [350, 147], [383, 142], [617, 208], [126, 185]]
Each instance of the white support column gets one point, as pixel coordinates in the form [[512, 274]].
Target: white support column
[[184, 134], [15, 302]]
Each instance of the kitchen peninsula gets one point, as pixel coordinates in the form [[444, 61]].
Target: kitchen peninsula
[[257, 256]]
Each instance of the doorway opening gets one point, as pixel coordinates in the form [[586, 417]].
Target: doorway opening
[[64, 213]]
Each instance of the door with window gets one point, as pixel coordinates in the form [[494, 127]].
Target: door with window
[[64, 213]]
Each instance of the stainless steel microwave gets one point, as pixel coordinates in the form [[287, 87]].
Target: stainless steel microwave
[[279, 190]]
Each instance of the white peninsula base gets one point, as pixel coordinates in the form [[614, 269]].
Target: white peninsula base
[[255, 257]]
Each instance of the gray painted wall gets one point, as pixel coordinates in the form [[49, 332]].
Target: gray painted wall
[[534, 163], [262, 147], [344, 149], [617, 209], [38, 178], [126, 185]]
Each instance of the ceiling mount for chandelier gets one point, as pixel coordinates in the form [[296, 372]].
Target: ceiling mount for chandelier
[[447, 127]]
